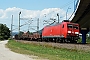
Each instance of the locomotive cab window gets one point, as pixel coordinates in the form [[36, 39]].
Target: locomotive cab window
[[69, 26], [72, 26], [75, 27]]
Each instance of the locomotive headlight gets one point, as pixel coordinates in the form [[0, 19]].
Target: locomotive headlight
[[76, 32], [69, 31]]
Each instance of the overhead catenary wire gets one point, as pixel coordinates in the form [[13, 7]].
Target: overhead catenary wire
[[65, 5]]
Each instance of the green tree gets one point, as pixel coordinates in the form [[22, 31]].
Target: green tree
[[4, 32]]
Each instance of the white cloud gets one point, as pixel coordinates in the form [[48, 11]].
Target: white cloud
[[45, 14]]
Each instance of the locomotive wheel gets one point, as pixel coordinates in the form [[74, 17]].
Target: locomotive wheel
[[75, 41], [61, 41], [51, 40], [46, 40], [55, 40]]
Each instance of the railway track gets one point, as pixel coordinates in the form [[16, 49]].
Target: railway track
[[83, 47]]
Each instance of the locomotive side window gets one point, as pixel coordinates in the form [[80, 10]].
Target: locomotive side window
[[63, 26], [69, 25]]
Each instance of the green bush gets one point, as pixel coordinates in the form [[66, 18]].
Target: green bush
[[9, 39], [87, 40]]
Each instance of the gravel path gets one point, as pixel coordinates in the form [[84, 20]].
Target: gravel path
[[6, 54]]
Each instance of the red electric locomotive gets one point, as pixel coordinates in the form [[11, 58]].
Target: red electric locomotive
[[61, 32]]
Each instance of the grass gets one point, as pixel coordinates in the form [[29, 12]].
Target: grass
[[47, 52]]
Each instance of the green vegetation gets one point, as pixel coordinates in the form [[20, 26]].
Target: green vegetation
[[87, 40], [47, 51], [4, 32]]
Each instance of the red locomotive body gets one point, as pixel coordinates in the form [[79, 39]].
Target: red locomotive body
[[63, 32]]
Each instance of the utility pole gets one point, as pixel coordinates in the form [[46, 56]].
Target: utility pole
[[11, 26], [37, 24], [58, 17], [19, 21], [67, 12]]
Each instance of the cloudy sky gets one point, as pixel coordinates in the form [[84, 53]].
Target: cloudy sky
[[32, 10]]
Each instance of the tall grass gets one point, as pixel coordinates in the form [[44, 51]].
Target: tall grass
[[47, 52]]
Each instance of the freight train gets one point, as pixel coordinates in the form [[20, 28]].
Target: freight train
[[65, 31]]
